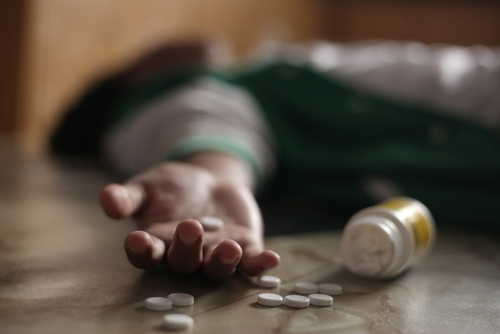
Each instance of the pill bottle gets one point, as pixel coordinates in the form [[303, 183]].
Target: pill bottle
[[385, 239]]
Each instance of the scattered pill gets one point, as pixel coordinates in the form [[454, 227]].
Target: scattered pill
[[296, 301], [268, 281], [331, 289], [211, 223], [181, 299], [319, 299], [269, 299], [305, 287], [177, 321], [158, 303]]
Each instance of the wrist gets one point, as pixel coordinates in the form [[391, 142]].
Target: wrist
[[224, 167]]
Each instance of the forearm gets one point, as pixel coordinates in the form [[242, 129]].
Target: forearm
[[192, 124], [226, 167]]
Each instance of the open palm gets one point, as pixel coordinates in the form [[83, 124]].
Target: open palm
[[168, 200]]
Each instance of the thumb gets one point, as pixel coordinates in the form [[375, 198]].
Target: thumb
[[122, 201]]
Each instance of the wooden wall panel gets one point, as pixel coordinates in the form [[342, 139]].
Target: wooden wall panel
[[66, 44], [455, 22], [11, 22], [72, 42]]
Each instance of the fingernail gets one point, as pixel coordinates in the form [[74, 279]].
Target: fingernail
[[137, 249], [226, 260], [188, 239]]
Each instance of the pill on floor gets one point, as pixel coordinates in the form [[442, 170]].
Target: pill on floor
[[269, 299], [211, 223], [158, 303], [331, 289], [177, 321], [305, 287], [296, 301], [181, 299], [319, 299], [268, 281]]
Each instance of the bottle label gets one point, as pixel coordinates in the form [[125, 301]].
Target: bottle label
[[408, 211]]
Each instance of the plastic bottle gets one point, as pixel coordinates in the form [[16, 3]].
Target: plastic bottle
[[385, 239]]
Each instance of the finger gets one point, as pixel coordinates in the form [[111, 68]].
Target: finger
[[144, 250], [121, 201], [255, 261], [220, 262], [185, 255]]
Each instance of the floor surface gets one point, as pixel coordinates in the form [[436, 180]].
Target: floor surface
[[63, 270]]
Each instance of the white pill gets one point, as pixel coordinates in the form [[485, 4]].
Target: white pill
[[177, 321], [297, 301], [158, 303], [305, 287], [181, 299], [319, 299], [268, 281], [211, 223], [330, 289], [269, 299]]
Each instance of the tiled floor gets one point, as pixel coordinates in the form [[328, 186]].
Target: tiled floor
[[63, 270]]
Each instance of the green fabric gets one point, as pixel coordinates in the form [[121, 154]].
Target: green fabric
[[331, 135]]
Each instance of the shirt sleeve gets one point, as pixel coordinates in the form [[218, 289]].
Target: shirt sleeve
[[203, 115]]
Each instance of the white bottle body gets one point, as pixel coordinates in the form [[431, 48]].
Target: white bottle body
[[385, 239]]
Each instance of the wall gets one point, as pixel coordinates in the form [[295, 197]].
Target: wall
[[70, 43], [57, 47], [439, 21], [11, 23]]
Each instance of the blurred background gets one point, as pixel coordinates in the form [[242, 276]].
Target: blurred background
[[52, 49]]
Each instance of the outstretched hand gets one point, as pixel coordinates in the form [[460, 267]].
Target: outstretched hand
[[168, 200]]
